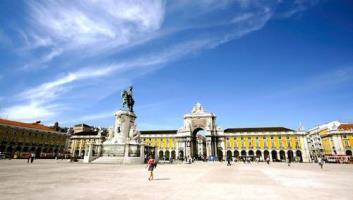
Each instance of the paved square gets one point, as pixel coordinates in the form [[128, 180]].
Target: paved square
[[50, 179]]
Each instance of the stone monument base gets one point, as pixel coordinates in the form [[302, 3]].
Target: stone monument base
[[130, 153], [123, 145]]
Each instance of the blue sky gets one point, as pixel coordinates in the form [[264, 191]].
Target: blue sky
[[252, 63]]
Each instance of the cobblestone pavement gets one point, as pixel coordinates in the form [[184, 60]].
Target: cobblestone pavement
[[50, 180]]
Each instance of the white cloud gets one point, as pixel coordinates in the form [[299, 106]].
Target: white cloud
[[29, 112], [40, 62], [76, 23]]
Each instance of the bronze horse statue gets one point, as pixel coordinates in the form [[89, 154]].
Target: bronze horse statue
[[128, 100]]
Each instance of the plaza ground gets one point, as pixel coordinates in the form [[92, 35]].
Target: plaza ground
[[51, 179]]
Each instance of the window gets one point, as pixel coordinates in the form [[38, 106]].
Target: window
[[287, 137], [280, 137]]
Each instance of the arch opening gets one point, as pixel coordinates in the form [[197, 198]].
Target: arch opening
[[274, 156], [198, 144], [299, 156]]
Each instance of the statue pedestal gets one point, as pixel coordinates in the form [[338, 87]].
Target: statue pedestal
[[124, 146]]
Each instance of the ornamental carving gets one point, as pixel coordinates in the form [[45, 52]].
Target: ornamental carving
[[199, 123]]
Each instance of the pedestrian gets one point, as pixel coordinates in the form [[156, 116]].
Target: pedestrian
[[228, 162], [32, 157], [321, 162], [268, 160], [29, 157], [151, 164], [171, 160], [289, 162]]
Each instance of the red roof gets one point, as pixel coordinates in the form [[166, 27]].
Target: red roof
[[35, 125], [345, 126]]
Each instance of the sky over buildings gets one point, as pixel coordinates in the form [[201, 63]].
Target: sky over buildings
[[252, 63]]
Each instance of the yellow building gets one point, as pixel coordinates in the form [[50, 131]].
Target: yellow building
[[82, 135], [17, 139], [333, 138], [275, 143]]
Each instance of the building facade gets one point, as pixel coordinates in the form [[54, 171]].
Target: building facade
[[276, 143], [17, 138], [333, 138], [81, 136]]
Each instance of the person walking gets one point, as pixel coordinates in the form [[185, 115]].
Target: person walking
[[289, 162], [268, 160], [151, 165], [32, 156], [228, 161], [321, 162], [29, 157]]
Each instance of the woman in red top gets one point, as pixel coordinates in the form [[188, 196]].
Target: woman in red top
[[150, 166]]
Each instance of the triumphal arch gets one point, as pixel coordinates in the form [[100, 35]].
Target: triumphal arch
[[193, 143]]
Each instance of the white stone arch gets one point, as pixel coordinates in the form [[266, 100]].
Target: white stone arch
[[195, 121]]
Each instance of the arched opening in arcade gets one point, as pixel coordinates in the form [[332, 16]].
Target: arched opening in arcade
[[258, 155], [173, 155], [282, 155], [220, 153], [149, 151], [243, 154], [160, 155], [266, 154], [166, 157], [349, 153], [2, 148], [181, 155], [77, 152], [299, 156], [290, 155], [198, 144], [251, 155], [229, 155], [82, 153], [274, 155], [236, 155]]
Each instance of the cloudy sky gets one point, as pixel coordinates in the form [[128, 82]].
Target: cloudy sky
[[252, 63]]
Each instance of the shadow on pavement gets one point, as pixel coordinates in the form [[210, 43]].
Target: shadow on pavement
[[161, 179]]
